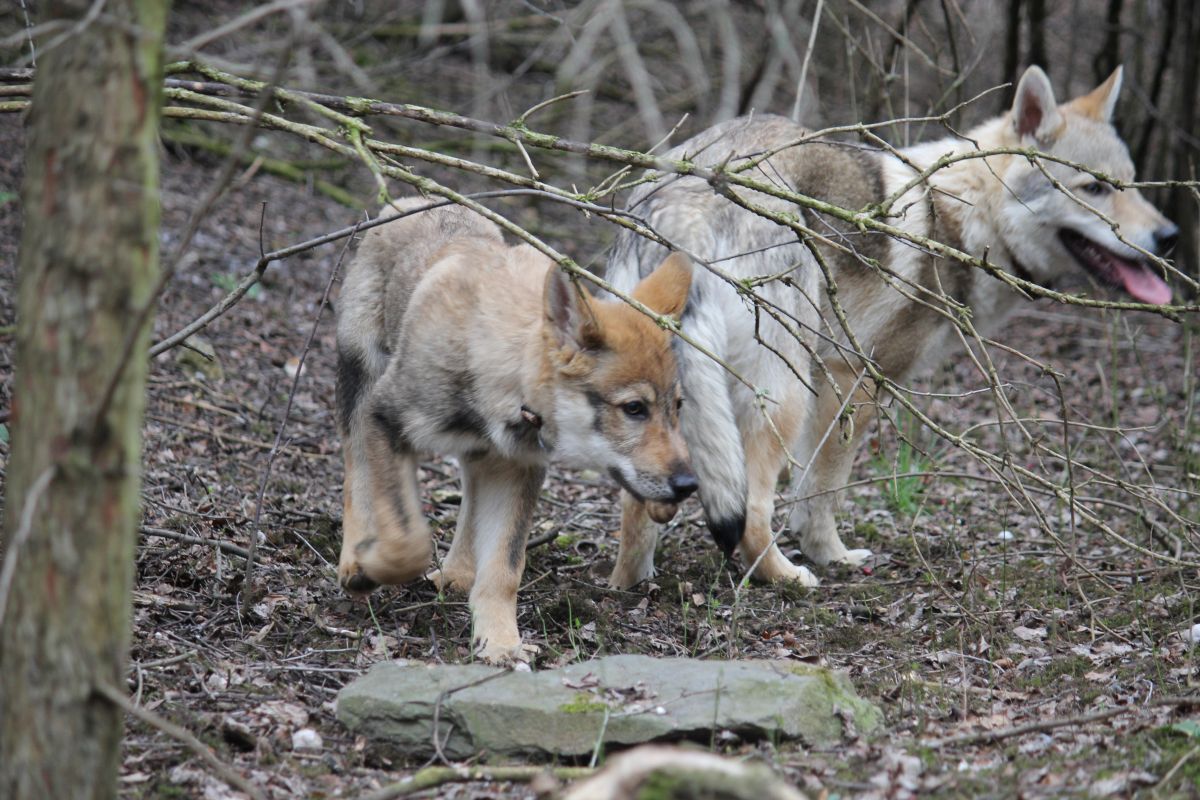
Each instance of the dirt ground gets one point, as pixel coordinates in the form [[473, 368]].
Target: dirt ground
[[970, 621]]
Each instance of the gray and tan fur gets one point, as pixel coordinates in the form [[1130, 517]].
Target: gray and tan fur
[[1003, 206], [451, 341]]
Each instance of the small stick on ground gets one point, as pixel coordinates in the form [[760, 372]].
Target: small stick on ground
[[187, 538], [988, 737], [432, 777]]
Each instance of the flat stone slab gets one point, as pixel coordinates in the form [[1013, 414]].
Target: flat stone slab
[[616, 700]]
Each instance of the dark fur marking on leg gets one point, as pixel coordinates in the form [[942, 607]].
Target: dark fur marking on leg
[[389, 424], [727, 533], [352, 380], [528, 500], [364, 545], [400, 504]]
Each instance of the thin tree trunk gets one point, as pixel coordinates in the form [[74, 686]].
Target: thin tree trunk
[[1166, 24], [1110, 54], [87, 265], [1037, 35], [1181, 203], [1012, 53]]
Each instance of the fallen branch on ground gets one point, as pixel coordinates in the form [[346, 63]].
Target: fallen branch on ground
[[988, 737], [432, 777]]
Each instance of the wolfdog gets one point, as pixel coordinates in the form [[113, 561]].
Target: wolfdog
[[449, 340], [1036, 220]]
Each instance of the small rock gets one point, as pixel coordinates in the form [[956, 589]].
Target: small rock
[[292, 367], [1029, 634], [1006, 536], [283, 713], [307, 739]]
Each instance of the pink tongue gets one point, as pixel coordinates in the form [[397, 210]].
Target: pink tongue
[[1143, 284]]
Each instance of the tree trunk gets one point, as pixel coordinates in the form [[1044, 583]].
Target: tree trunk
[[1037, 36], [87, 267], [1181, 203]]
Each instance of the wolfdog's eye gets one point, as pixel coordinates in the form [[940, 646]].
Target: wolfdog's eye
[[1097, 188], [635, 409], [678, 403]]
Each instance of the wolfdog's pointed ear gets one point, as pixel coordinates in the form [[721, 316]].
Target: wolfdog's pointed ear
[[1035, 112], [666, 289], [568, 314], [1100, 102]]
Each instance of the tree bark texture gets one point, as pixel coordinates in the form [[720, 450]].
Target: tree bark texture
[[87, 266]]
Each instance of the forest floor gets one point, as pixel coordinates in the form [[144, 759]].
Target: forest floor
[[970, 624]]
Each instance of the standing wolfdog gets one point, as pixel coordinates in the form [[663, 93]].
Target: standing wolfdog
[[1005, 206], [449, 340]]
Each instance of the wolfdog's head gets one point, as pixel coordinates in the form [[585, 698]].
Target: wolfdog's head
[[1054, 215], [617, 395]]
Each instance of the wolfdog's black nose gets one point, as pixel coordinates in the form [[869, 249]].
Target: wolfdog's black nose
[[683, 483], [1166, 237]]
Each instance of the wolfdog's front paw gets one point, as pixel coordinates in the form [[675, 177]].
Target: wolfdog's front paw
[[354, 581], [446, 579], [629, 572], [779, 570], [832, 551], [854, 558], [801, 575], [502, 653]]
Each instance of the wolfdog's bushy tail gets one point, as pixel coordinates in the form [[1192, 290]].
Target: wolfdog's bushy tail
[[709, 419]]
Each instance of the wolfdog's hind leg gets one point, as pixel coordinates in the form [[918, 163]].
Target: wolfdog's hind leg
[[765, 457], [385, 539], [813, 515]]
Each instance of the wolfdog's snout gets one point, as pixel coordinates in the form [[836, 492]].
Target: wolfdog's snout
[[683, 482], [1165, 238]]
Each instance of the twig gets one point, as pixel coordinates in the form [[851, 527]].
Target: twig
[[262, 488], [225, 547], [545, 538], [988, 737], [22, 535], [1175, 768], [432, 777], [29, 36], [223, 770], [812, 40], [441, 698]]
